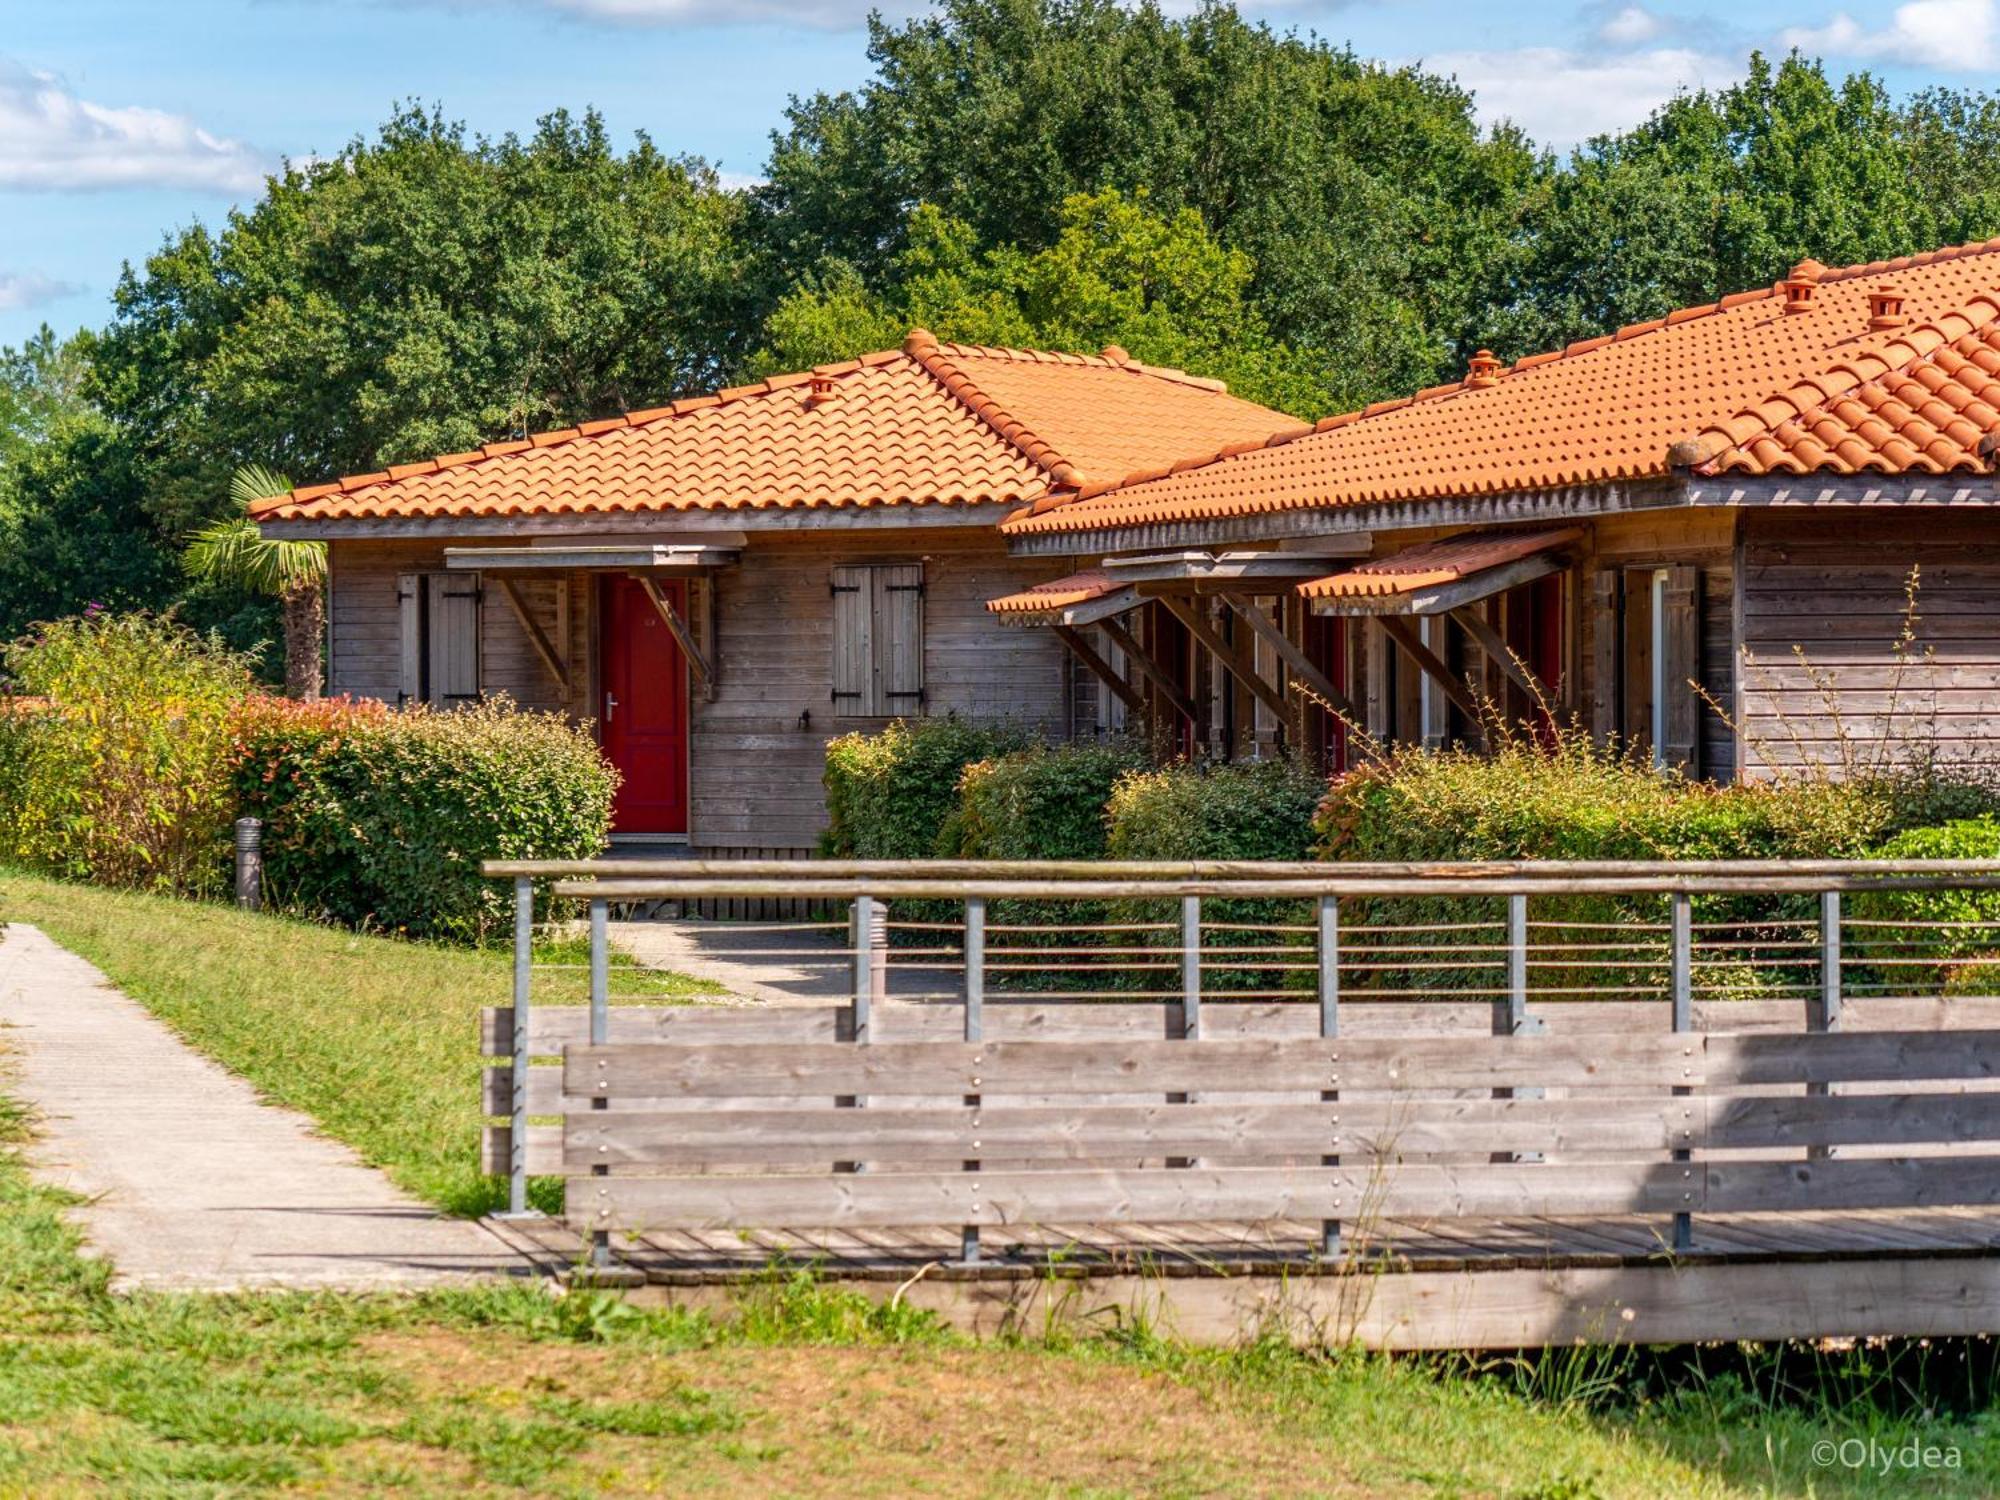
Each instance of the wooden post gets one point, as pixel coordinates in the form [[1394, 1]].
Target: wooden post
[[524, 941], [1105, 673], [1429, 662], [1329, 1029], [1680, 985], [1151, 670], [1296, 661]]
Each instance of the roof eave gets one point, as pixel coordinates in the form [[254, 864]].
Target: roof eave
[[1574, 502]]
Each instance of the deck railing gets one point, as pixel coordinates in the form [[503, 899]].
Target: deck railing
[[1007, 1044]]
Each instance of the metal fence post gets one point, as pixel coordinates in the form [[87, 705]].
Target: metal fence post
[[1518, 1022], [1825, 1016], [600, 1034], [1680, 986], [249, 863], [1329, 1030], [867, 935], [517, 1132], [1190, 995], [975, 1031]]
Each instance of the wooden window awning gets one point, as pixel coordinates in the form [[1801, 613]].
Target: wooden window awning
[[1119, 584], [1077, 599], [643, 557], [1435, 578]]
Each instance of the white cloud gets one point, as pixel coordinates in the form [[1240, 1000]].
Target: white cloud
[[827, 14], [1630, 26], [24, 289], [1562, 98], [1957, 34], [53, 140]]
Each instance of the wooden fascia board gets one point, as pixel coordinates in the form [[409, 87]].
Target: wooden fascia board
[[981, 515], [1570, 503]]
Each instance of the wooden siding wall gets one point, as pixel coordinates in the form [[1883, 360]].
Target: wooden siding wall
[[365, 627], [1705, 539], [758, 747], [1833, 586]]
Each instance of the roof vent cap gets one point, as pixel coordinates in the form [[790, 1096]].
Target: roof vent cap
[[1885, 308], [821, 389], [1116, 355], [1801, 286], [1484, 370]]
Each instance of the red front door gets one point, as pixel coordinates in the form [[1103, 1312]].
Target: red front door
[[644, 711]]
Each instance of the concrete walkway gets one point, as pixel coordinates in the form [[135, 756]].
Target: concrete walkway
[[191, 1180]]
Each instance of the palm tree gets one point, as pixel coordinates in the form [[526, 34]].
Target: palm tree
[[233, 551]]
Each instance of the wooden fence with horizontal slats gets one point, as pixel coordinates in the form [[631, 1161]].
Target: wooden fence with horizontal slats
[[1336, 1106]]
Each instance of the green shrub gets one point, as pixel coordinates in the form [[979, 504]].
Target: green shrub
[[1957, 957], [381, 819], [889, 795], [1257, 811], [1045, 802], [1576, 800], [118, 770]]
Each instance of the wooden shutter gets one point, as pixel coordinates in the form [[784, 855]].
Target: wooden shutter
[[1604, 646], [899, 639], [454, 638], [1682, 667], [410, 640], [853, 642]]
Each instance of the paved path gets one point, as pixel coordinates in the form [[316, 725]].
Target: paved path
[[193, 1181], [770, 964]]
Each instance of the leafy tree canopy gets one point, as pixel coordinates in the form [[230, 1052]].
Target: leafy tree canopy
[[1160, 287], [423, 293], [1368, 200]]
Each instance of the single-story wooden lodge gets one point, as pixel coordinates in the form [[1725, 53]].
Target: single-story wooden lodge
[[722, 585], [1698, 533]]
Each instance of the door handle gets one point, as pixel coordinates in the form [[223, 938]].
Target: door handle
[[610, 706]]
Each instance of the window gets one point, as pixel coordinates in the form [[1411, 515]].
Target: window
[[878, 640], [1648, 655], [439, 638]]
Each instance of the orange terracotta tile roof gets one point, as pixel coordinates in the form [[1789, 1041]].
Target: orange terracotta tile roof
[[1057, 593], [927, 424], [1832, 375], [1432, 563]]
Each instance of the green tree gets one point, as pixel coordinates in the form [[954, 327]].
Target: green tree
[[423, 293], [1159, 286], [232, 551], [75, 533], [1374, 210], [40, 383], [1721, 191]]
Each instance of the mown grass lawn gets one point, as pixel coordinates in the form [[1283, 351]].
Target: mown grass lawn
[[375, 1038], [799, 1390]]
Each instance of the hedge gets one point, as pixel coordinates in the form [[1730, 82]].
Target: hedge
[[890, 795], [1575, 800], [1045, 802], [1958, 959], [1257, 811], [380, 819]]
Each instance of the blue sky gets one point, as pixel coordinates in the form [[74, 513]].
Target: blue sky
[[123, 119]]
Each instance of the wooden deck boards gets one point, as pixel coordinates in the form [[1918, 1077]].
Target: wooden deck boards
[[1467, 1245]]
